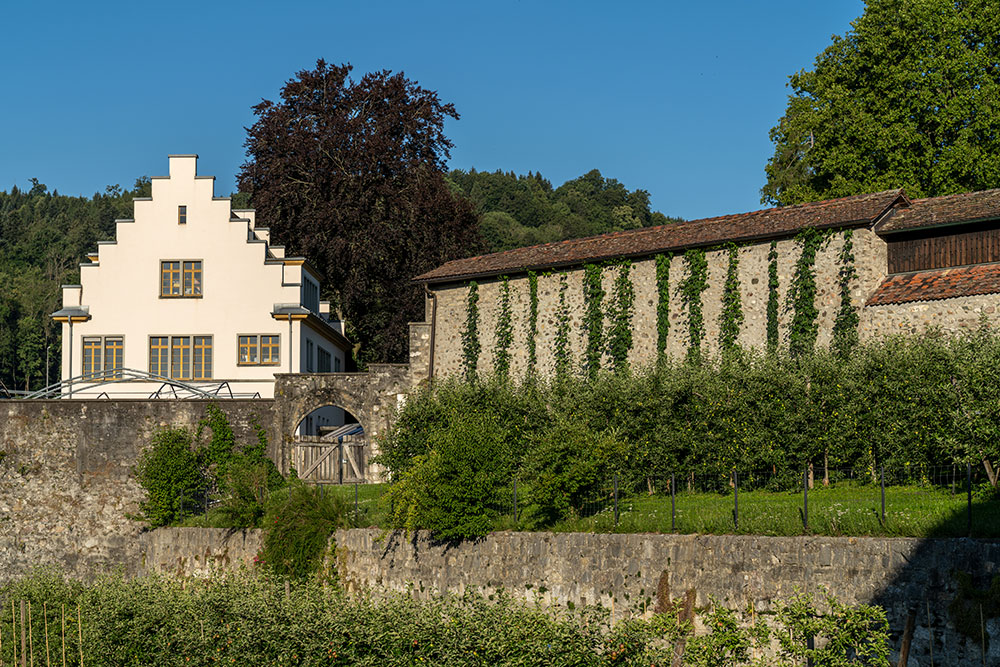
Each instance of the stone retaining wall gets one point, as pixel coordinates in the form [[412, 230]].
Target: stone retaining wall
[[66, 484]]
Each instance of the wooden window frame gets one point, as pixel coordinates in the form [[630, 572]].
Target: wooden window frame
[[165, 370], [259, 347], [198, 370], [94, 344], [185, 267], [120, 357], [189, 371], [182, 214]]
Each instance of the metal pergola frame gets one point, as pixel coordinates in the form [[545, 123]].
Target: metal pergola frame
[[169, 387]]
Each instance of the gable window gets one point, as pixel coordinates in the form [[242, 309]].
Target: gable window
[[324, 361], [258, 350], [309, 356], [181, 357], [180, 278], [159, 356], [310, 295], [102, 356], [182, 215]]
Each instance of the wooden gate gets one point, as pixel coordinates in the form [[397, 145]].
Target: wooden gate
[[337, 457]]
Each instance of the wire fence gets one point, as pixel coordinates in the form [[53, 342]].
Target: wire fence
[[917, 501]]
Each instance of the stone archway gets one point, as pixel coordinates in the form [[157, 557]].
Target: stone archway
[[371, 397]]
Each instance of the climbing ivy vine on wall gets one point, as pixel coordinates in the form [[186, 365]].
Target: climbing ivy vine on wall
[[470, 334], [561, 350], [662, 304], [504, 332], [802, 294], [772, 297], [622, 308], [532, 321], [690, 289], [731, 317], [593, 318], [845, 325]]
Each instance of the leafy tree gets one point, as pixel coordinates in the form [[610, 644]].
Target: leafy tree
[[350, 174], [909, 97], [172, 477], [521, 210]]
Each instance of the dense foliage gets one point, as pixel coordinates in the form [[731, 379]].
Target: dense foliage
[[905, 403], [182, 475], [906, 99], [351, 175], [249, 619], [518, 210], [43, 238]]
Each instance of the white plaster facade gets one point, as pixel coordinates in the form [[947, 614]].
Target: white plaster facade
[[190, 272]]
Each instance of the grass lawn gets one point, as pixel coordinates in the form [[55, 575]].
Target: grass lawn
[[368, 511], [910, 511]]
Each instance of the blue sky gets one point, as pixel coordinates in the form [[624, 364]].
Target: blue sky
[[673, 97]]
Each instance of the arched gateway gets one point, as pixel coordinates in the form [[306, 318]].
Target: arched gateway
[[371, 397]]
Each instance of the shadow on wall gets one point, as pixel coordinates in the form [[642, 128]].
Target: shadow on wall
[[943, 597]]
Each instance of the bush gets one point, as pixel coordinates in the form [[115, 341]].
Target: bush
[[170, 473], [298, 526]]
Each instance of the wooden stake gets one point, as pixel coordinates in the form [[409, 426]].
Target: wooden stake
[[31, 640], [930, 631], [904, 650], [13, 631], [24, 639], [45, 617], [79, 627], [64, 633]]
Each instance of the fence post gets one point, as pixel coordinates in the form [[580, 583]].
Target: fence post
[[673, 505], [968, 497], [616, 499], [736, 499], [805, 499], [882, 485]]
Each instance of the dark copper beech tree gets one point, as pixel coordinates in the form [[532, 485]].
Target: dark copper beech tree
[[351, 175]]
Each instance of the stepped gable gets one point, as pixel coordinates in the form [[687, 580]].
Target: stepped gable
[[856, 211], [938, 284], [941, 211]]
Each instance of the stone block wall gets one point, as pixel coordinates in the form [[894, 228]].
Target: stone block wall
[[66, 483], [450, 319], [626, 573], [197, 552], [960, 315]]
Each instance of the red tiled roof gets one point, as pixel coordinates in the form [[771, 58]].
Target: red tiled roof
[[946, 210], [938, 284], [770, 223]]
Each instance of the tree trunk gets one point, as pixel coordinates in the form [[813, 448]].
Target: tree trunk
[[990, 472], [826, 467], [812, 477]]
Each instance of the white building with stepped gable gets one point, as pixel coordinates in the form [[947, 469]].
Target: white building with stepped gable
[[192, 298]]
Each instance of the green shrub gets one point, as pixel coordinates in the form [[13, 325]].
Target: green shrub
[[564, 469], [298, 526], [170, 473]]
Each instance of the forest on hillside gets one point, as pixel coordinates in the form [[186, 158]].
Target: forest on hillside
[[44, 236], [519, 210]]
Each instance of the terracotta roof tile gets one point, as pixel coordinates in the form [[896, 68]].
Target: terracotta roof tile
[[937, 284], [770, 223], [946, 210]]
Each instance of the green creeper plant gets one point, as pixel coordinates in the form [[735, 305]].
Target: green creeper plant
[[622, 308], [731, 317], [845, 325], [470, 334], [561, 350], [532, 323], [772, 297], [593, 318], [802, 294], [662, 303], [504, 332], [691, 288]]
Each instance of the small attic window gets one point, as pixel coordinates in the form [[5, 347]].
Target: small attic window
[[182, 215]]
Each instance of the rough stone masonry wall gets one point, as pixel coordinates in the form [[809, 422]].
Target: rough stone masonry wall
[[66, 484], [870, 262], [624, 573], [960, 315]]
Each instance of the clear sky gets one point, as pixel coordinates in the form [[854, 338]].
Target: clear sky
[[673, 97]]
